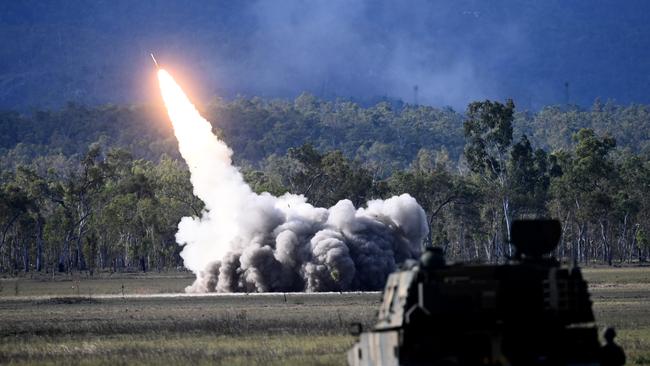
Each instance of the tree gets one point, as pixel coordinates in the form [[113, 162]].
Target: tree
[[488, 135], [323, 178], [631, 204], [529, 179], [78, 194], [14, 203], [35, 187], [588, 185], [430, 181]]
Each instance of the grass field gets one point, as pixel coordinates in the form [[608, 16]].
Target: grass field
[[70, 320]]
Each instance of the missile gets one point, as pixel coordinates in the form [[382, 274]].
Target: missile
[[154, 61]]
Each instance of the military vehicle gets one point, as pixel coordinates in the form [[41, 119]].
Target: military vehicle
[[529, 311]]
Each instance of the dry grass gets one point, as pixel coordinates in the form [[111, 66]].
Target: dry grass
[[616, 276], [621, 299], [246, 329], [177, 348], [233, 330]]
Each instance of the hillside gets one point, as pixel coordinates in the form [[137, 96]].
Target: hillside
[[388, 134]]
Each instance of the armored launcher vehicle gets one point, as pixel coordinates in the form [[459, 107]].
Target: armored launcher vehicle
[[530, 311]]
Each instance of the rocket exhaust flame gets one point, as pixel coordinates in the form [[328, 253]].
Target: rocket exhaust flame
[[246, 241]]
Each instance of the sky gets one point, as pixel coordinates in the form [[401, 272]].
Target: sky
[[440, 53]]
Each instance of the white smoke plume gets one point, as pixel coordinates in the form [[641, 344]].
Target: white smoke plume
[[246, 241]]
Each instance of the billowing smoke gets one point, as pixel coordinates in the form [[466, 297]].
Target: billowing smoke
[[245, 241]]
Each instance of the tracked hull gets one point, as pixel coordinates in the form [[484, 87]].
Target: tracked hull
[[530, 311]]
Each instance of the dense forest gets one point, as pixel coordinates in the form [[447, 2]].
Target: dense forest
[[103, 188]]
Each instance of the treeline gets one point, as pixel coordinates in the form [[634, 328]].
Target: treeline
[[597, 191], [389, 134], [103, 211], [115, 204]]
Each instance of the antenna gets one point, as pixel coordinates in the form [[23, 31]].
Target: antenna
[[415, 94]]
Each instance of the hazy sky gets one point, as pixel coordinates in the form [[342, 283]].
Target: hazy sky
[[454, 51]]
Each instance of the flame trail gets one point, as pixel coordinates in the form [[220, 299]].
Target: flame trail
[[245, 241]]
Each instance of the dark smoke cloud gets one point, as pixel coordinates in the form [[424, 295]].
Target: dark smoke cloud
[[377, 48], [314, 249]]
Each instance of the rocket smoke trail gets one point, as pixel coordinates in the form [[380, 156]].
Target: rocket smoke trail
[[246, 241]]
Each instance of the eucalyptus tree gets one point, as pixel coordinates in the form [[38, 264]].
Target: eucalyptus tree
[[632, 205], [488, 141], [530, 173], [586, 191], [323, 178], [14, 203], [35, 188]]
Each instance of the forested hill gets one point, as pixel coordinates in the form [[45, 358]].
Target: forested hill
[[454, 51], [387, 135], [85, 188]]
